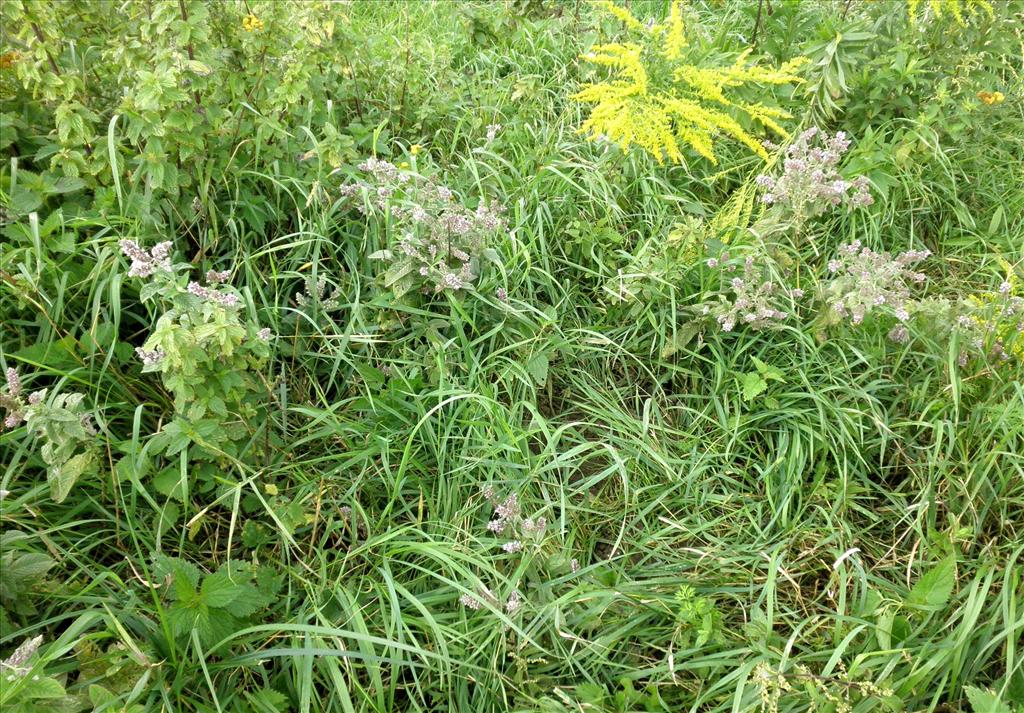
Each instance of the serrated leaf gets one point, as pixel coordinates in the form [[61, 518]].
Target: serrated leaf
[[402, 287], [149, 290], [932, 591], [66, 184], [169, 482], [985, 701], [63, 477], [537, 367], [767, 371], [23, 201], [684, 335], [184, 574], [184, 619], [753, 385], [30, 565], [218, 590], [247, 601]]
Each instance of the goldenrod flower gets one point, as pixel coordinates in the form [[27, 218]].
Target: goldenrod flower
[[955, 8], [659, 102], [251, 23]]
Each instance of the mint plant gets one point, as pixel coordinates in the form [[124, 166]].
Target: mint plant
[[440, 242], [206, 353], [63, 426]]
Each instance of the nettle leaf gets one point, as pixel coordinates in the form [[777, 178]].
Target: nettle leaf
[[767, 371], [185, 575], [183, 619], [267, 700], [753, 385], [218, 590], [934, 588], [985, 701], [30, 565], [222, 591], [169, 482]]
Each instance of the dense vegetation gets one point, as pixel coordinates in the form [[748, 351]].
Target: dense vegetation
[[512, 356]]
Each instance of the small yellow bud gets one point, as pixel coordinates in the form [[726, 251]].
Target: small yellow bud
[[270, 489], [990, 97], [415, 149]]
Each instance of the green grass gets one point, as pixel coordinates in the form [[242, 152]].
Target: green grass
[[806, 517]]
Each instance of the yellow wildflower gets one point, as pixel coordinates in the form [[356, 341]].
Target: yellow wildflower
[[251, 23], [991, 97], [415, 149], [657, 101], [950, 7]]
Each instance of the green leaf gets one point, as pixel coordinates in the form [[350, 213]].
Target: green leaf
[[184, 574], [38, 688], [66, 184], [537, 367], [753, 385], [23, 201], [98, 695], [267, 700], [396, 272], [218, 590], [932, 591], [169, 482], [62, 478], [985, 701], [30, 565], [184, 619], [767, 371], [198, 67], [248, 601], [684, 335]]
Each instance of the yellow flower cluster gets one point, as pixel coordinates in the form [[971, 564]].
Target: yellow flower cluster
[[991, 97], [955, 8], [686, 105], [251, 23]]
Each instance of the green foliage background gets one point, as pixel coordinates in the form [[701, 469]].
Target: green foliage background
[[813, 512]]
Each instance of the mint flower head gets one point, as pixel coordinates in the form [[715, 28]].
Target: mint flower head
[[439, 244], [810, 183], [751, 299], [224, 299], [144, 263], [864, 280], [13, 382]]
